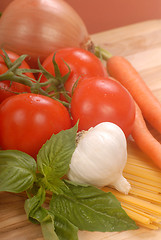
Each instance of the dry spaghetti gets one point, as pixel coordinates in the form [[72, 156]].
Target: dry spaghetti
[[143, 203]]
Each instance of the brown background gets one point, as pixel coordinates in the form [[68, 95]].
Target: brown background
[[101, 15]]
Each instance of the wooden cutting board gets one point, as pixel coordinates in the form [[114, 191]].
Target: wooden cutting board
[[141, 45]]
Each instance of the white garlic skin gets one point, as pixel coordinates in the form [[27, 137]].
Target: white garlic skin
[[100, 157]]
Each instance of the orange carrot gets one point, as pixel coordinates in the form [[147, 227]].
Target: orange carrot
[[121, 69], [145, 140]]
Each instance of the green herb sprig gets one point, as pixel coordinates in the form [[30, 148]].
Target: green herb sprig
[[72, 206]]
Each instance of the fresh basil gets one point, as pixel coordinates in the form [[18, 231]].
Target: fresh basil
[[64, 228], [72, 206], [37, 214], [54, 157], [34, 211], [91, 209], [48, 229], [17, 171]]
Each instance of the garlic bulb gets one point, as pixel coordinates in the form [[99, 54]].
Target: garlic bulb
[[100, 157]]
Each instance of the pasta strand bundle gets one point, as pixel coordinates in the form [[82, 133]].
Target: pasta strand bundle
[[143, 203]]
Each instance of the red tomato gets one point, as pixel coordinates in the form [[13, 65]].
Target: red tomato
[[97, 100], [6, 88], [28, 120], [82, 64]]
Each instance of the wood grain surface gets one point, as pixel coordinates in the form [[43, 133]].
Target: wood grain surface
[[141, 45]]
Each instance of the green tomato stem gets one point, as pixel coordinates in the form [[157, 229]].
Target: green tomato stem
[[34, 85], [9, 75]]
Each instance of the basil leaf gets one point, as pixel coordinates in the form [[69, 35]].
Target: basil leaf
[[34, 211], [37, 214], [47, 227], [55, 185], [55, 155], [65, 229], [17, 171], [91, 209]]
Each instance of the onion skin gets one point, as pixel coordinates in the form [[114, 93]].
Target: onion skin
[[39, 27]]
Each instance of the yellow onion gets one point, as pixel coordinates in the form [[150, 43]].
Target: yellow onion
[[39, 27]]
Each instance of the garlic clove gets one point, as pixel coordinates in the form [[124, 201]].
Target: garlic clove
[[122, 185]]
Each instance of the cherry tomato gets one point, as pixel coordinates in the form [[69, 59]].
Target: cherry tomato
[[97, 100], [6, 88], [28, 120], [82, 64]]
